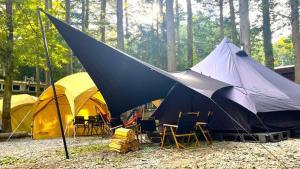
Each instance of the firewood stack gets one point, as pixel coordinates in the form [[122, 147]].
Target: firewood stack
[[124, 140]]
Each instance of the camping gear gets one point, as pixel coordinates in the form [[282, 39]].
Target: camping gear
[[77, 96], [79, 122], [147, 127], [205, 132], [144, 82], [21, 115], [185, 128], [124, 140], [191, 90], [260, 91]]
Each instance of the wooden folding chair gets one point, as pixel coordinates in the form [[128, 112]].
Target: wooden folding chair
[[185, 127], [202, 127]]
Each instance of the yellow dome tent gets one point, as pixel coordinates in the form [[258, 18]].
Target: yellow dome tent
[[77, 96], [21, 115]]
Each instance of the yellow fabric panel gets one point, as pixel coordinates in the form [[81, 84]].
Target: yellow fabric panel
[[21, 106], [78, 95], [88, 109], [22, 113], [46, 123], [19, 100], [99, 97], [82, 98], [156, 102], [76, 83]]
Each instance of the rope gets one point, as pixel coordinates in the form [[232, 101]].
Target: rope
[[18, 126], [276, 158]]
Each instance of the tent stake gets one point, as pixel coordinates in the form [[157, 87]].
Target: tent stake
[[52, 82]]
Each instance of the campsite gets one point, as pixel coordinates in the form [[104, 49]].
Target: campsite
[[149, 84]]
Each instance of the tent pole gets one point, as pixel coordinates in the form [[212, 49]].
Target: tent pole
[[52, 81]]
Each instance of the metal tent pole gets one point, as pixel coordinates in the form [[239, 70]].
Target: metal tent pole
[[52, 81]]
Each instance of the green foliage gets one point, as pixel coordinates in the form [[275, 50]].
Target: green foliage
[[28, 47], [283, 51]]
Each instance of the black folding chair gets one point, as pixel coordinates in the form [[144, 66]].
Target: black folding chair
[[79, 122], [147, 127], [185, 127], [114, 124], [91, 123]]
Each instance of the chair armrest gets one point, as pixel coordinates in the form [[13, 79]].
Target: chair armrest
[[116, 127], [201, 123], [170, 125]]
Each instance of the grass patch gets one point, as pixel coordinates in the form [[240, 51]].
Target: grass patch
[[85, 149], [8, 160]]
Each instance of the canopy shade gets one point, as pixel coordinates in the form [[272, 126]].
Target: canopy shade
[[125, 81]]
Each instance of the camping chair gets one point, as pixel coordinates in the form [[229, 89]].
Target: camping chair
[[185, 128], [100, 124], [147, 127], [114, 124], [91, 124], [79, 122], [203, 128]]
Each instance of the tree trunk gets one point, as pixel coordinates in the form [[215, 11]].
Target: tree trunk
[[69, 67], [120, 31], [47, 29], [162, 20], [177, 22], [234, 33], [87, 12], [126, 18], [9, 67], [267, 34], [190, 33], [37, 80], [221, 19], [102, 19], [170, 36], [245, 26], [296, 38], [83, 10]]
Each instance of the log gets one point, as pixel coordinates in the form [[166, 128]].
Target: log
[[15, 135], [123, 141]]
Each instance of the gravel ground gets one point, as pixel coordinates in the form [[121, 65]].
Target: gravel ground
[[93, 152]]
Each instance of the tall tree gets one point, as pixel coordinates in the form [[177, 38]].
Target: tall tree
[[234, 34], [48, 6], [177, 23], [102, 20], [296, 37], [170, 36], [69, 67], [87, 13], [245, 26], [267, 34], [221, 19], [190, 32], [126, 18], [83, 11], [120, 31], [9, 67]]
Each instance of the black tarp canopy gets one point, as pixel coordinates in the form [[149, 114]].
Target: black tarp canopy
[[126, 82]]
